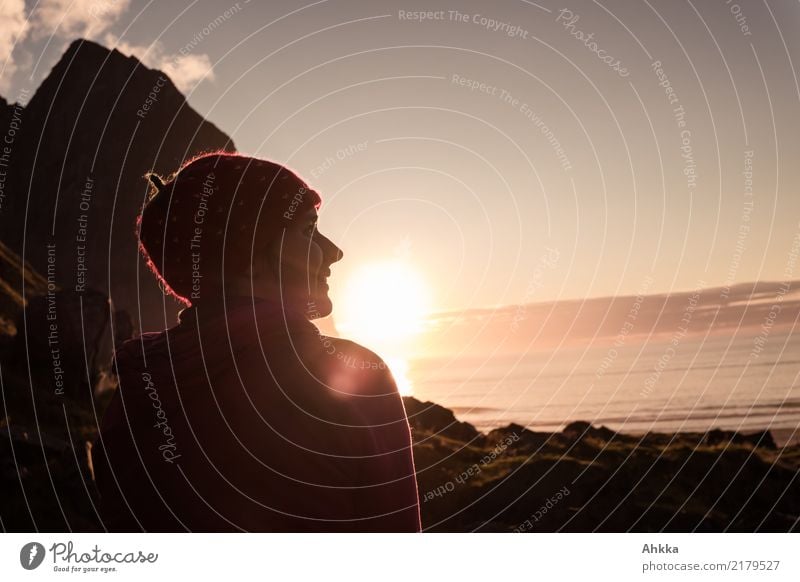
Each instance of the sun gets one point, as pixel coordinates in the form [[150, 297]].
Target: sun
[[384, 302], [383, 306]]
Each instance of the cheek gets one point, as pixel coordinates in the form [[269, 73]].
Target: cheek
[[314, 257], [301, 258]]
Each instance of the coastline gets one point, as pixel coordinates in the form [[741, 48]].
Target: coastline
[[783, 437], [585, 478]]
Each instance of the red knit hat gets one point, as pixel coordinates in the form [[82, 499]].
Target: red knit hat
[[215, 211]]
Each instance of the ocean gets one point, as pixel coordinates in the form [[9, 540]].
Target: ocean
[[732, 382]]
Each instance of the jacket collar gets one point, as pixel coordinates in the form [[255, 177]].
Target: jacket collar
[[231, 305]]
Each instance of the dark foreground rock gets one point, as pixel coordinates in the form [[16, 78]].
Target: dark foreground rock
[[586, 478]]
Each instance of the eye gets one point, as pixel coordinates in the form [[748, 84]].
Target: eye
[[311, 227]]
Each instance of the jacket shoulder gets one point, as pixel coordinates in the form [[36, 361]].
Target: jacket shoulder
[[354, 360]]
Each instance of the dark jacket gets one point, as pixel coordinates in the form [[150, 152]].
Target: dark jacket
[[254, 422]]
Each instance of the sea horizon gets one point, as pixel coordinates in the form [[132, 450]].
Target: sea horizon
[[706, 382]]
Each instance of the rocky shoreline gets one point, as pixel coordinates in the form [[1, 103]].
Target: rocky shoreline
[[586, 478], [511, 479]]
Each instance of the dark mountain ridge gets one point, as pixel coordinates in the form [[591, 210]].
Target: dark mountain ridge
[[82, 143]]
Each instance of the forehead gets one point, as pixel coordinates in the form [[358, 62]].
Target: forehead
[[310, 213]]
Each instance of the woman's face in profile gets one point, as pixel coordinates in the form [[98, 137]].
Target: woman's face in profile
[[306, 257]]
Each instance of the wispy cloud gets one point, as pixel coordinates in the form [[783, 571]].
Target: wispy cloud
[[91, 19], [75, 18], [185, 70], [14, 27]]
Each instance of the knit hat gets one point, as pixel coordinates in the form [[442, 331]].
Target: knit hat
[[204, 222]]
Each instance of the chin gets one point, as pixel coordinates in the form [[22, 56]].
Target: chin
[[319, 306]]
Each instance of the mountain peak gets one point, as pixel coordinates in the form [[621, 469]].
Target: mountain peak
[[93, 128], [86, 47], [86, 51]]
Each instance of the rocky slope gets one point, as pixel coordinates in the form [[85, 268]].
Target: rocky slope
[[585, 479]]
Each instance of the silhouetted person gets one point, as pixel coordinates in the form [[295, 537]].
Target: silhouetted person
[[244, 417]]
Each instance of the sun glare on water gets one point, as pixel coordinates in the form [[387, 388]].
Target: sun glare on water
[[383, 307]]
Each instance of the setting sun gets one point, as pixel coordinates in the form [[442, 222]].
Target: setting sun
[[383, 305], [384, 302]]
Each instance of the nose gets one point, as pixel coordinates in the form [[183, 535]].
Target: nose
[[332, 253]]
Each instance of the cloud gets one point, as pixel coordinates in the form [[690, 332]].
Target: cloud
[[14, 27], [185, 70], [188, 70], [93, 20], [76, 18]]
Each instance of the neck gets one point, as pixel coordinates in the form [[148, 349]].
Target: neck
[[232, 299]]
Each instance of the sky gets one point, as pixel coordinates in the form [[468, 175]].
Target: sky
[[510, 152]]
